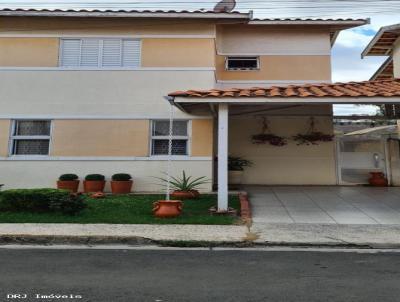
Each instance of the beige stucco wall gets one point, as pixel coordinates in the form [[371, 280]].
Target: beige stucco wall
[[28, 52], [251, 39], [42, 174], [202, 137], [287, 165], [105, 26], [96, 93], [100, 138], [178, 52], [281, 68], [396, 59], [4, 136]]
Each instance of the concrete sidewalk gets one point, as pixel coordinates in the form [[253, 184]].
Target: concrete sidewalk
[[312, 234], [104, 233], [268, 234]]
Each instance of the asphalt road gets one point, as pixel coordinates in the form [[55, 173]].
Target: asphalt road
[[180, 275]]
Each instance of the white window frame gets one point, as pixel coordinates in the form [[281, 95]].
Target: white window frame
[[188, 138], [100, 54], [227, 58], [14, 138]]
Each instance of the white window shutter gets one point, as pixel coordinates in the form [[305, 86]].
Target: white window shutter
[[131, 53], [111, 53], [90, 53], [100, 53], [70, 52]]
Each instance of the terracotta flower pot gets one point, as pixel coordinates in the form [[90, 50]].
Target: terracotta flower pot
[[185, 194], [378, 179], [167, 208], [71, 185], [235, 177], [90, 186], [121, 186]]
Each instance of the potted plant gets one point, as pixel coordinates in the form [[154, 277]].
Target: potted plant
[[378, 179], [94, 183], [121, 183], [236, 167], [167, 208], [185, 187], [68, 182]]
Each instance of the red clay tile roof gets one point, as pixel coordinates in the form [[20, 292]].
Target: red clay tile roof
[[386, 88]]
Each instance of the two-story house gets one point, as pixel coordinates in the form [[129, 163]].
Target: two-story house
[[84, 92]]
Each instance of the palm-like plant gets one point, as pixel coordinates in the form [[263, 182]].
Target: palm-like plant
[[185, 183]]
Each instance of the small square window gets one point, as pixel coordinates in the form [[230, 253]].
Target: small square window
[[242, 63], [30, 137], [160, 138]]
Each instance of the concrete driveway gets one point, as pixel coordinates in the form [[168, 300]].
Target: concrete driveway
[[301, 215], [325, 205]]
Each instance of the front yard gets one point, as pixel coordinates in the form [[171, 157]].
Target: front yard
[[129, 209]]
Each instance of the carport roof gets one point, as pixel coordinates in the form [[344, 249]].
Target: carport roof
[[382, 88]]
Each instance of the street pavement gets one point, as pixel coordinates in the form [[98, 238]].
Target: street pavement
[[114, 275]]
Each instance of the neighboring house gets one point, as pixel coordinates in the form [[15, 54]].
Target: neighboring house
[[84, 92], [386, 43]]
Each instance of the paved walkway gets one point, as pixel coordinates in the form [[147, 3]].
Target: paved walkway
[[325, 205]]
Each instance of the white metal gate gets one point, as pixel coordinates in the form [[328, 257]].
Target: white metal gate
[[358, 156]]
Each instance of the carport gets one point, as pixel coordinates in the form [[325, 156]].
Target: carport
[[223, 102]]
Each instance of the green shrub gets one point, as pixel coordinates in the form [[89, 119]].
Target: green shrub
[[121, 177], [95, 177], [41, 200], [67, 177]]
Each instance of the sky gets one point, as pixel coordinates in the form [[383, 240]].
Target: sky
[[347, 64]]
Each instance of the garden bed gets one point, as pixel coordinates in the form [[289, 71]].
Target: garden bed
[[129, 209]]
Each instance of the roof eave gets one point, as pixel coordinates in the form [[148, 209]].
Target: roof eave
[[340, 23], [291, 100], [108, 14], [381, 68], [376, 38]]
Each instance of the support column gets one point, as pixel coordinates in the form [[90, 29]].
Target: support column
[[223, 113]]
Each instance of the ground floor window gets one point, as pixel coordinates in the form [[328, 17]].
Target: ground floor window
[[160, 137], [30, 137]]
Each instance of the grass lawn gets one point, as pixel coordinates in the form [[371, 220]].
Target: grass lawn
[[129, 209]]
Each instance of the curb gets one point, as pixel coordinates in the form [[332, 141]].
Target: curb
[[245, 209], [140, 241], [88, 240]]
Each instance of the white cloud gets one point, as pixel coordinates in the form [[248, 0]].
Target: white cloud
[[353, 39]]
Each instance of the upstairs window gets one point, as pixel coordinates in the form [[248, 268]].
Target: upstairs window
[[100, 53], [242, 63], [30, 137], [160, 138]]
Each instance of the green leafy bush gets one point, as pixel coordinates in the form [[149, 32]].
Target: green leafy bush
[[95, 177], [121, 177], [68, 177], [238, 163], [41, 200]]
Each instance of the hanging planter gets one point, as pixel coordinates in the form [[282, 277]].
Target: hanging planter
[[266, 137], [312, 137]]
